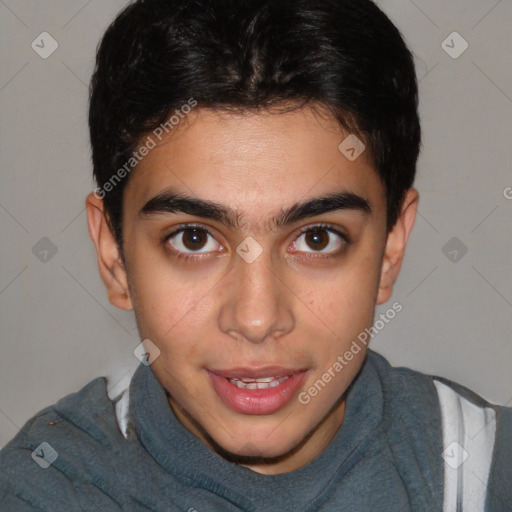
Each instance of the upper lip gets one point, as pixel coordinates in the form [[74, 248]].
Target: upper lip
[[256, 373]]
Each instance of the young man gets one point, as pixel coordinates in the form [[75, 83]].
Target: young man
[[255, 163]]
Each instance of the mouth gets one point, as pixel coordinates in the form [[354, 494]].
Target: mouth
[[256, 391]]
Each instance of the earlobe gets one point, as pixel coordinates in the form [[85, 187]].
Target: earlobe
[[395, 246], [110, 263]]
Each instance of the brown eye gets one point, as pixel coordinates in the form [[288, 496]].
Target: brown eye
[[193, 240], [317, 239]]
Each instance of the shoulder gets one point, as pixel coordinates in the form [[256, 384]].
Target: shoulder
[[411, 418], [466, 425], [403, 387], [45, 462], [415, 391], [400, 382]]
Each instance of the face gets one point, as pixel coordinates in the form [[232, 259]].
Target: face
[[255, 253]]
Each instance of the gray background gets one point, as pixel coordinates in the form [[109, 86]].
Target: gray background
[[59, 330]]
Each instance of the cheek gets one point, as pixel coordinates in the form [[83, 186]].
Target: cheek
[[345, 301], [169, 303]]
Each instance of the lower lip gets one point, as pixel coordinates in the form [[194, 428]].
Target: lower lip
[[257, 401]]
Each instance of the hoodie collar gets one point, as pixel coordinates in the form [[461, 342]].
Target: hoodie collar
[[183, 455]]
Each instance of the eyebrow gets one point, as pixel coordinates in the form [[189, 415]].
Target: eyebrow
[[173, 202]]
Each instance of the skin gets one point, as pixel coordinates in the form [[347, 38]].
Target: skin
[[294, 306]]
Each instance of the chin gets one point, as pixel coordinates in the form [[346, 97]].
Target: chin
[[272, 444], [257, 453]]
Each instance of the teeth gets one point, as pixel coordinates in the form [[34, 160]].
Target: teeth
[[261, 383], [262, 379]]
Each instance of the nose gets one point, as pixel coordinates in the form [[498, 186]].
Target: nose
[[256, 304]]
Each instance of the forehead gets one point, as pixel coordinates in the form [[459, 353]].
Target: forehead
[[256, 162]]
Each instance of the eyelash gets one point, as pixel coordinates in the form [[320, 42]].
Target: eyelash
[[196, 257]]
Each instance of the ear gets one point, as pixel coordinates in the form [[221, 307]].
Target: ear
[[110, 263], [395, 246]]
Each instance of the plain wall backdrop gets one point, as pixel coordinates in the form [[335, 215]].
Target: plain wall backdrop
[[58, 329]]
